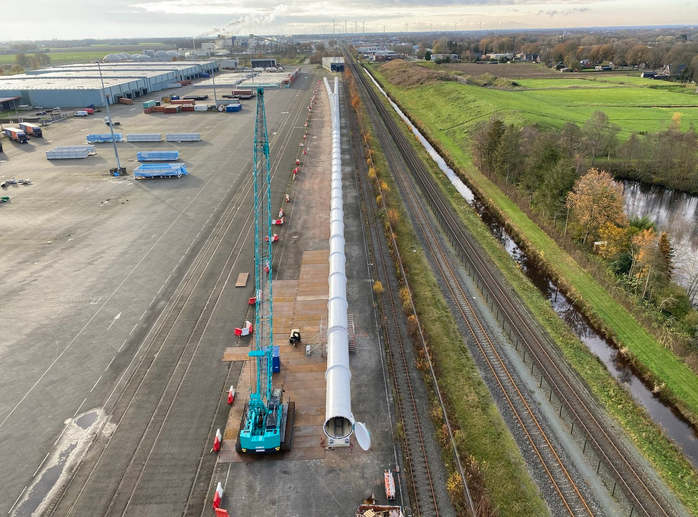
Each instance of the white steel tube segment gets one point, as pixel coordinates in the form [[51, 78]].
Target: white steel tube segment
[[339, 420]]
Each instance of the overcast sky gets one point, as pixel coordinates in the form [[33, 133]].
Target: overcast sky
[[75, 19]]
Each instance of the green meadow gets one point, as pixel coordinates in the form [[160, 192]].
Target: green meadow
[[643, 105]]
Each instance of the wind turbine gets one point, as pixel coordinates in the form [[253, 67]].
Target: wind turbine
[[345, 26]]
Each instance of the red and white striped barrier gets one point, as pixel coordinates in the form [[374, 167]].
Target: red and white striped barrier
[[244, 331], [231, 391], [217, 441], [218, 497], [288, 198]]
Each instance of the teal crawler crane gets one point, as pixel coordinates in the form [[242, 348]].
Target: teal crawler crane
[[266, 421]]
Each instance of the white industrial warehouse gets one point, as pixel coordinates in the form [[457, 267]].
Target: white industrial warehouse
[[80, 85]]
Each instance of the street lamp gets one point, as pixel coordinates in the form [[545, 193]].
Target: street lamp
[[119, 169], [213, 78]]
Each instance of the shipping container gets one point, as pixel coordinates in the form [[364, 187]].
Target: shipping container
[[148, 104], [67, 154], [147, 110], [172, 109], [157, 156], [183, 137], [174, 98], [31, 129], [201, 107], [158, 109], [188, 107], [231, 108], [174, 101], [144, 137], [160, 170], [124, 100], [105, 137]]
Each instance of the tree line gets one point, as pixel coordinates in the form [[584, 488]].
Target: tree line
[[555, 171]]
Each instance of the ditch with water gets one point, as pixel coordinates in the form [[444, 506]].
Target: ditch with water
[[674, 425]]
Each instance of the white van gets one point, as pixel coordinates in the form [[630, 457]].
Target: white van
[[81, 113]]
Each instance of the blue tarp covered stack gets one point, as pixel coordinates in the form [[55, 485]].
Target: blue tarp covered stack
[[160, 170], [157, 156], [97, 139]]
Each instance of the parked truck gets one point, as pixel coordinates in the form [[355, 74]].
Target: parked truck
[[16, 134], [31, 129]]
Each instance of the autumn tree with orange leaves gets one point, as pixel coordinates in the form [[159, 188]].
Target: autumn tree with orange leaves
[[595, 201]]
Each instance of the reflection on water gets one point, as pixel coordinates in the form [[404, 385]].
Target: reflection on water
[[674, 425], [673, 212]]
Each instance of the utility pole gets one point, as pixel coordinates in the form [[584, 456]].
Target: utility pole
[[119, 171], [364, 23], [345, 26], [334, 30]]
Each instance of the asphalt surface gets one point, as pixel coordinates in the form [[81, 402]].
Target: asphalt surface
[[117, 302]]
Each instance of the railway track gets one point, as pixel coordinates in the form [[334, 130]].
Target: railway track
[[418, 471], [146, 400], [644, 498]]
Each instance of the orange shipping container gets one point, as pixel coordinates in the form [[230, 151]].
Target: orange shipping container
[[124, 100]]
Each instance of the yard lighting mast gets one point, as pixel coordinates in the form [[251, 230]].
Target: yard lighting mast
[[119, 170]]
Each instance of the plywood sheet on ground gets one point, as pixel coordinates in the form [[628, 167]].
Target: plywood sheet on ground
[[242, 280]]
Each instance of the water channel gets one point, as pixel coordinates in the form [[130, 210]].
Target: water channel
[[675, 426]]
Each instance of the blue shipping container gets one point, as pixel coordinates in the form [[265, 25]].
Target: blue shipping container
[[174, 97], [231, 108]]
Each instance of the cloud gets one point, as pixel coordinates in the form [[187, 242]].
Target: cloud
[[566, 12]]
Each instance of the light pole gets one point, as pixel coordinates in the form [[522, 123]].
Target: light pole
[[119, 170], [213, 78]]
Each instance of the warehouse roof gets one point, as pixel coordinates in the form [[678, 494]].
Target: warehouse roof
[[87, 77]]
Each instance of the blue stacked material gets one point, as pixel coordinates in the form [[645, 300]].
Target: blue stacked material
[[275, 360], [106, 137], [157, 156], [160, 170]]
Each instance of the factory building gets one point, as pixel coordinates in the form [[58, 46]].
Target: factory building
[[74, 86], [333, 64]]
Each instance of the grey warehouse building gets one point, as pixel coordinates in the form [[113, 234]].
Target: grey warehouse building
[[75, 86]]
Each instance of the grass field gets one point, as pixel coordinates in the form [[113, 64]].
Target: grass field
[[62, 56], [549, 102]]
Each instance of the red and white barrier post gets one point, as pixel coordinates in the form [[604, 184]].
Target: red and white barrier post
[[217, 441], [217, 497], [231, 392]]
